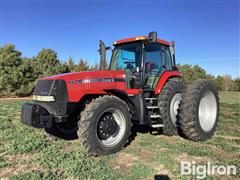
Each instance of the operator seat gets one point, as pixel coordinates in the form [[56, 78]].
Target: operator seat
[[151, 74]]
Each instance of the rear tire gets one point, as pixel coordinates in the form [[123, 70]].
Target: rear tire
[[170, 97], [105, 125], [199, 110]]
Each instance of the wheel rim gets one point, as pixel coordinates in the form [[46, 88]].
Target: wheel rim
[[207, 111], [111, 127], [174, 107]]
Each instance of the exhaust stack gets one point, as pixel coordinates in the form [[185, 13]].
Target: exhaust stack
[[102, 52], [173, 52]]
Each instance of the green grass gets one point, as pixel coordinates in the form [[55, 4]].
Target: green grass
[[28, 153], [231, 97]]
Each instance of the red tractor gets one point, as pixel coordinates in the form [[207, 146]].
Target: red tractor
[[141, 87]]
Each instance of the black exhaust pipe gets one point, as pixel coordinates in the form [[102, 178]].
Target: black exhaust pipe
[[173, 53], [102, 52], [174, 66]]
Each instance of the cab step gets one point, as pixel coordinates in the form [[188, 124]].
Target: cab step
[[155, 116], [157, 125], [147, 99], [152, 107]]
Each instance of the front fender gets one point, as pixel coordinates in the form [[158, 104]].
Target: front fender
[[164, 78]]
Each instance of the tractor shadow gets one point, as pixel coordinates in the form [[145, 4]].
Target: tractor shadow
[[144, 129], [136, 129]]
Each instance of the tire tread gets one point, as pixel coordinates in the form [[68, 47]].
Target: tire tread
[[189, 109], [84, 123]]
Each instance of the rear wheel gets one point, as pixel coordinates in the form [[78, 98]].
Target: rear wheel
[[199, 110], [105, 125], [168, 101]]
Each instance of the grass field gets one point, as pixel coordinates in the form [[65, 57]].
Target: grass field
[[27, 153]]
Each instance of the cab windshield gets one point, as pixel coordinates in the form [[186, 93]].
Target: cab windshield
[[126, 57]]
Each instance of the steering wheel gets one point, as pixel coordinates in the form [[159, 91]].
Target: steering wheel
[[130, 65]]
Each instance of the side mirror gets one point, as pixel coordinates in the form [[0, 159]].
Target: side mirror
[[137, 69], [152, 37]]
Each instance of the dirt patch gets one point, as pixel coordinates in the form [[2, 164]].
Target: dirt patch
[[18, 165], [231, 127], [15, 98], [70, 147], [183, 157], [171, 139], [197, 159], [146, 154], [71, 178], [227, 137], [19, 157], [17, 169], [223, 153], [124, 162]]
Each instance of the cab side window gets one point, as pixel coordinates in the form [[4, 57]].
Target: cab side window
[[153, 59], [168, 59]]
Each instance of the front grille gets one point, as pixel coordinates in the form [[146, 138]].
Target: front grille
[[43, 87], [56, 88]]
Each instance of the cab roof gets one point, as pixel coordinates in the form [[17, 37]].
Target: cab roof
[[139, 38]]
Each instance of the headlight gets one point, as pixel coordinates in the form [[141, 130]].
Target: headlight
[[43, 98]]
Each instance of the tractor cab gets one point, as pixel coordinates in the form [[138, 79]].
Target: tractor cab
[[143, 59]]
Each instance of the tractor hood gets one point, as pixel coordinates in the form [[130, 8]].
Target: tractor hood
[[89, 76], [73, 86]]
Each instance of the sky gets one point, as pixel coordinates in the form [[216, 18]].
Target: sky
[[205, 32]]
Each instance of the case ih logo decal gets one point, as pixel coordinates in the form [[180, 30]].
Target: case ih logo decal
[[81, 81]]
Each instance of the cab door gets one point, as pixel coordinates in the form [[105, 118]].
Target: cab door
[[127, 57], [157, 60]]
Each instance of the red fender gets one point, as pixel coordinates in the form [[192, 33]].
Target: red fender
[[165, 76]]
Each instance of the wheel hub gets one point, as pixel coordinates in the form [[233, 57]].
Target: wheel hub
[[174, 107], [207, 111], [107, 126], [111, 127]]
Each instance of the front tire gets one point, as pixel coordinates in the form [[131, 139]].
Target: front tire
[[199, 110], [105, 125]]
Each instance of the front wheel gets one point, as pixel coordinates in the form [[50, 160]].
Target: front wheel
[[199, 110], [105, 125]]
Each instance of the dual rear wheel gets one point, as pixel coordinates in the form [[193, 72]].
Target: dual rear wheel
[[191, 111], [199, 111]]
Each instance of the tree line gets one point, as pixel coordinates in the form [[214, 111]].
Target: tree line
[[18, 74], [223, 83]]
